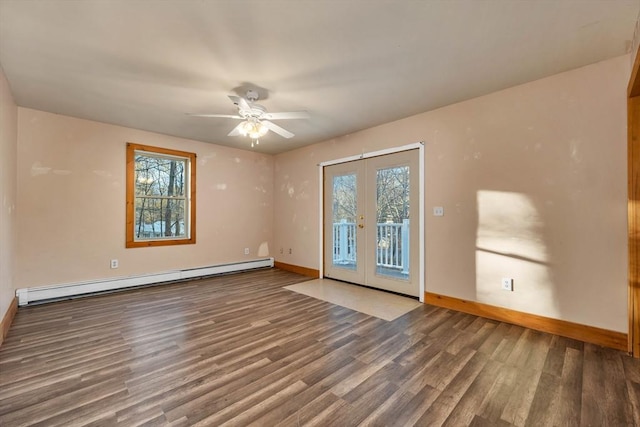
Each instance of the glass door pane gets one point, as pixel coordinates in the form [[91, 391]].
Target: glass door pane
[[392, 222], [344, 221], [392, 239], [344, 232]]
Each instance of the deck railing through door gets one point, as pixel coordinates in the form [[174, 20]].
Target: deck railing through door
[[392, 242]]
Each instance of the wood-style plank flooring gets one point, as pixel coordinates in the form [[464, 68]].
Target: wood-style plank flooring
[[241, 350]]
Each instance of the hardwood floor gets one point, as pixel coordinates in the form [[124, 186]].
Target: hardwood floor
[[241, 350]]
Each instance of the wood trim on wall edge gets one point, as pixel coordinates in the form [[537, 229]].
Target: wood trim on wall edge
[[590, 334], [633, 218], [633, 89], [310, 272], [7, 319]]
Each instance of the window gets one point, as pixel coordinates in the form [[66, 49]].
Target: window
[[161, 196]]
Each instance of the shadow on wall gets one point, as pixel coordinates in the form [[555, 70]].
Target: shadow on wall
[[510, 244]]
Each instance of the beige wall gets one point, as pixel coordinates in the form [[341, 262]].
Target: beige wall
[[8, 144], [71, 193], [533, 183], [635, 42]]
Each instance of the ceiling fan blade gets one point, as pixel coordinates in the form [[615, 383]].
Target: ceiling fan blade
[[236, 130], [287, 116], [277, 129], [223, 116], [240, 102]]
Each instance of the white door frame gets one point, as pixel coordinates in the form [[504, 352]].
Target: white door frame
[[420, 147]]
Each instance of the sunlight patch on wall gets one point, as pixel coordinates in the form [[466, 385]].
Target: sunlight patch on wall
[[510, 243]]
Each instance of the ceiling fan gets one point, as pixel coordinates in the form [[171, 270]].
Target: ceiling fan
[[256, 121]]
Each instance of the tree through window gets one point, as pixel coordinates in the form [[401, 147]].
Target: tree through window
[[160, 196]]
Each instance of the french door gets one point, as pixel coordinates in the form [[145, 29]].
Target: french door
[[371, 222]]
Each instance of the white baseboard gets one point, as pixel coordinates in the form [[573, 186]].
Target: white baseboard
[[67, 290]]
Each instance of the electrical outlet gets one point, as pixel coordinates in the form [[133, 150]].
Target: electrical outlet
[[246, 251], [281, 250], [290, 251], [438, 211], [114, 263], [507, 284]]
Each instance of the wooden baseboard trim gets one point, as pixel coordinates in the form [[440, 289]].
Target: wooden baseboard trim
[[297, 269], [590, 334], [8, 319]]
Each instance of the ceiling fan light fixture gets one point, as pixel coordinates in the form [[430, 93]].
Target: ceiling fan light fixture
[[253, 129], [261, 131]]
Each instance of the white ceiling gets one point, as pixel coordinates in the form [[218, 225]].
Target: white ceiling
[[351, 64]]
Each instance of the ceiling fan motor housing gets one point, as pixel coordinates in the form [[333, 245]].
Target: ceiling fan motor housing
[[252, 95], [256, 111]]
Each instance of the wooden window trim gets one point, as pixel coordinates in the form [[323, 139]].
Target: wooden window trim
[[130, 211]]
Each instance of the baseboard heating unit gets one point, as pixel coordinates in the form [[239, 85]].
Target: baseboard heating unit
[[70, 290]]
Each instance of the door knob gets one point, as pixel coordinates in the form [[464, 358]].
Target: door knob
[[360, 225]]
